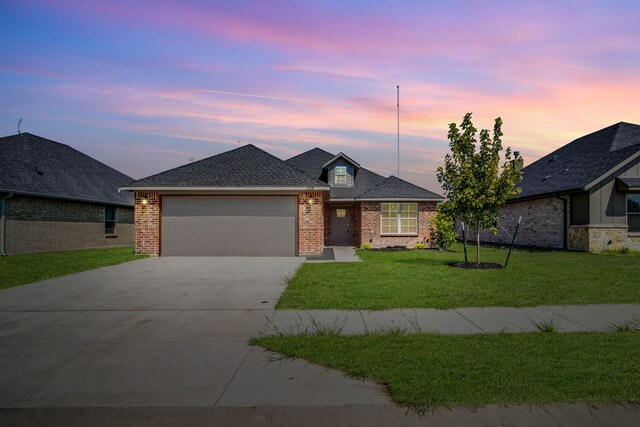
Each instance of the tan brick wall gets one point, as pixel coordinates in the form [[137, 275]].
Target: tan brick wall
[[370, 226], [147, 223], [310, 223], [542, 224], [46, 236]]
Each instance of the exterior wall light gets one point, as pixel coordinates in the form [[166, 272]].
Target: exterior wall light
[[145, 201], [310, 200]]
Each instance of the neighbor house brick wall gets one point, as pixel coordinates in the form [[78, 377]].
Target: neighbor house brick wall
[[370, 226], [36, 224], [147, 223], [542, 224], [310, 223]]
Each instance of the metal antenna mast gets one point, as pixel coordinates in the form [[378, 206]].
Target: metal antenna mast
[[398, 105]]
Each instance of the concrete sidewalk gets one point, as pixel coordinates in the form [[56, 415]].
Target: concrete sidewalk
[[578, 414], [471, 320]]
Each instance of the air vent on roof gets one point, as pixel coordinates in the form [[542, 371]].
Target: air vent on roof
[[553, 158], [546, 177], [39, 172]]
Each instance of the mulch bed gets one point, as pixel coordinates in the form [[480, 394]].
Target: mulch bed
[[481, 266]]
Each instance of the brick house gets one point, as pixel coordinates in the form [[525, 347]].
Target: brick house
[[54, 197], [584, 196], [247, 202]]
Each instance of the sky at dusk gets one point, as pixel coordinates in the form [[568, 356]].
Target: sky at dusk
[[144, 86]]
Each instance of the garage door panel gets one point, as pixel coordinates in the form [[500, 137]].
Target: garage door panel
[[232, 226]]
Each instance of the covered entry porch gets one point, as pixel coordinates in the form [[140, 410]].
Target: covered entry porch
[[342, 224]]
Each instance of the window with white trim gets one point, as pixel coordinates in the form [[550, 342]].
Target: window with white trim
[[399, 218], [633, 212], [341, 174]]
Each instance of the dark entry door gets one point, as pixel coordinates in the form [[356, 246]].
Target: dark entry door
[[340, 227]]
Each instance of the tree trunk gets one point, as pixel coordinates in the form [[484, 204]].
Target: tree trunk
[[477, 241]]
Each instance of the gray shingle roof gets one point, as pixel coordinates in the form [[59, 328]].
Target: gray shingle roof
[[246, 166], [367, 184], [30, 164], [577, 164], [394, 187]]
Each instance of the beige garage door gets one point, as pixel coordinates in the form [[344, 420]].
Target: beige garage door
[[229, 225]]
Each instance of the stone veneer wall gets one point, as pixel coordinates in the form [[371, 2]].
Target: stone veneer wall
[[36, 224], [310, 223], [370, 226], [600, 239], [147, 223], [542, 224]]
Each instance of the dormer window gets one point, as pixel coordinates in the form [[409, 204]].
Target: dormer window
[[341, 174]]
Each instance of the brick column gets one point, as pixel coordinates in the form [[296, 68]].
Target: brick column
[[147, 223], [310, 223]]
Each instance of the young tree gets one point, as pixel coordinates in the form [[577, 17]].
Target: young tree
[[473, 180]]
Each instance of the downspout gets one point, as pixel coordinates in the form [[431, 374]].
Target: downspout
[[565, 229], [3, 214]]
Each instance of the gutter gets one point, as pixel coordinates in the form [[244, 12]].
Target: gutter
[[3, 214], [565, 222]]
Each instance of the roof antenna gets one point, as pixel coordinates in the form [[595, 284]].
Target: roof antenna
[[19, 123], [398, 105]]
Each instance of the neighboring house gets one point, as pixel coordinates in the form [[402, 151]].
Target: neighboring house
[[247, 202], [584, 196], [56, 198]]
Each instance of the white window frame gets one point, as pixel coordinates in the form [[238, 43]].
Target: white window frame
[[340, 173], [399, 219]]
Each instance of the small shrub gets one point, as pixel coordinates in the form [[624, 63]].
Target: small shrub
[[419, 246], [620, 251], [366, 246], [443, 231]]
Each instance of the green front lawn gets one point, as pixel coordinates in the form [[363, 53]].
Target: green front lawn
[[20, 269], [439, 370], [426, 279]]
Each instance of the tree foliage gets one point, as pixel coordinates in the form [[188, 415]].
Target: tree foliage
[[473, 179]]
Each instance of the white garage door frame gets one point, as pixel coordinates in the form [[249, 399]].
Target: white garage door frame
[[228, 225]]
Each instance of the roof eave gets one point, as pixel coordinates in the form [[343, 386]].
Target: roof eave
[[386, 199], [226, 189], [59, 197]]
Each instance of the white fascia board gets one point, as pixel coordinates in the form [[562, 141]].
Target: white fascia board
[[387, 200], [224, 189]]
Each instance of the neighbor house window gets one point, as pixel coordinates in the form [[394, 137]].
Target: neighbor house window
[[109, 220], [341, 174], [633, 212], [399, 218]]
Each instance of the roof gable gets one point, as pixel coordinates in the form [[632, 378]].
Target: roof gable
[[341, 156], [246, 166], [30, 164], [581, 162], [367, 184]]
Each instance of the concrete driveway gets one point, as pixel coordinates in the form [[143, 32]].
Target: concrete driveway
[[158, 332]]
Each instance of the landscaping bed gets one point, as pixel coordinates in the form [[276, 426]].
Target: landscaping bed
[[21, 269], [425, 370], [420, 278]]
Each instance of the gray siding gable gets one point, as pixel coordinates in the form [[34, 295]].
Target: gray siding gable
[[331, 173]]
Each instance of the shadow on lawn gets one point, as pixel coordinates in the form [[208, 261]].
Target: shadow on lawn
[[428, 261]]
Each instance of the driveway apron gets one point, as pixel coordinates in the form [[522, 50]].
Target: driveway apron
[[159, 332]]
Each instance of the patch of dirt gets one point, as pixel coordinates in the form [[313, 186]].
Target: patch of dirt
[[481, 266]]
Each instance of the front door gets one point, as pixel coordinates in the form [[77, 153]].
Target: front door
[[340, 227]]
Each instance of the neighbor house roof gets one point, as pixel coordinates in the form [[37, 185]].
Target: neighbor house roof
[[244, 167], [37, 166], [582, 163], [367, 185]]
